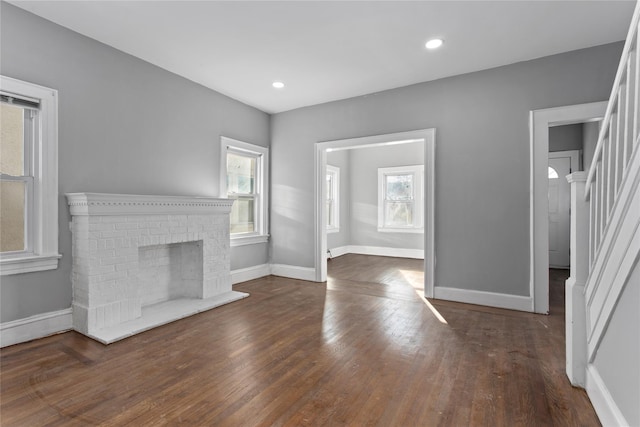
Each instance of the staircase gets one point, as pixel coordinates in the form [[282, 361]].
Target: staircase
[[602, 291]]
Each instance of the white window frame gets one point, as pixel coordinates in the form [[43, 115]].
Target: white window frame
[[335, 171], [42, 210], [418, 198], [261, 205]]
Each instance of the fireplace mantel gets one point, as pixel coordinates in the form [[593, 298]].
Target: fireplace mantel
[[140, 261], [132, 204]]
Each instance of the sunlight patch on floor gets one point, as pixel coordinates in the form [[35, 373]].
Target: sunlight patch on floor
[[416, 280]]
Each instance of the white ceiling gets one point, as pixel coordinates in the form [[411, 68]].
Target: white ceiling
[[329, 50]]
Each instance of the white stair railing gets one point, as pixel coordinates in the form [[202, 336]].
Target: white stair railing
[[613, 193], [617, 142], [605, 218]]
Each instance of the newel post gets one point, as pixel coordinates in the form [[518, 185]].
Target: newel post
[[575, 320]]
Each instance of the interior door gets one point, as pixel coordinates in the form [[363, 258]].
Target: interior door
[[559, 209]]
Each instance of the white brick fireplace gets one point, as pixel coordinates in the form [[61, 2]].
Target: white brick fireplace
[[143, 261]]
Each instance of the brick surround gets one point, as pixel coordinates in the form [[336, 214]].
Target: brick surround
[[142, 261]]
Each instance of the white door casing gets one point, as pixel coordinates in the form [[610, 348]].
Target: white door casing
[[539, 123], [425, 135]]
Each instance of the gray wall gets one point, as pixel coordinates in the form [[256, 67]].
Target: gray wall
[[565, 138], [482, 159], [125, 126], [249, 255], [619, 352], [364, 194], [341, 159]]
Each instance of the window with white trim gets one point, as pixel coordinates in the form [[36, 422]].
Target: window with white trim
[[333, 199], [28, 177], [401, 199], [244, 174]]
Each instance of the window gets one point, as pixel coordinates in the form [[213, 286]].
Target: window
[[333, 199], [400, 199], [28, 177], [244, 172]]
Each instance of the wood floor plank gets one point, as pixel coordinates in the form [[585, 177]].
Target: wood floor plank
[[362, 349]]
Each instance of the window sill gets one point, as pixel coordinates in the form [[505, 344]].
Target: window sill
[[333, 230], [28, 264], [401, 230], [249, 240]]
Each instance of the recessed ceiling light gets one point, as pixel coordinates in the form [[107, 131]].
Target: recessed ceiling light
[[434, 43], [278, 85]]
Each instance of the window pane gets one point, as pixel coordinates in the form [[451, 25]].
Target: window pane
[[399, 187], [242, 215], [12, 208], [329, 207], [11, 140], [398, 214], [330, 186], [241, 172]]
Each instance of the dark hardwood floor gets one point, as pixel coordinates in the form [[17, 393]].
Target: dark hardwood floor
[[363, 349]]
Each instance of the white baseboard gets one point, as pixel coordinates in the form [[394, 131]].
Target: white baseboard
[[491, 299], [378, 251], [339, 251], [38, 326], [294, 272], [602, 401], [282, 270], [250, 273]]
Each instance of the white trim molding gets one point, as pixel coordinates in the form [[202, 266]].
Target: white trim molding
[[132, 204], [30, 264], [261, 190], [602, 401], [539, 123], [34, 327], [249, 273], [490, 299], [294, 272], [42, 245], [338, 251], [249, 240], [377, 251], [428, 136]]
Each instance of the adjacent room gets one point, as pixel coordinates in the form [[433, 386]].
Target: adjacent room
[[319, 213]]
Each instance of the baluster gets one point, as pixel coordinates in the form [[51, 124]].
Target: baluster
[[636, 96], [592, 223], [631, 107], [600, 207], [618, 146], [606, 176], [611, 177]]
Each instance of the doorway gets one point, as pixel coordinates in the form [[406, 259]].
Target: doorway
[[561, 164], [539, 123], [425, 135]]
